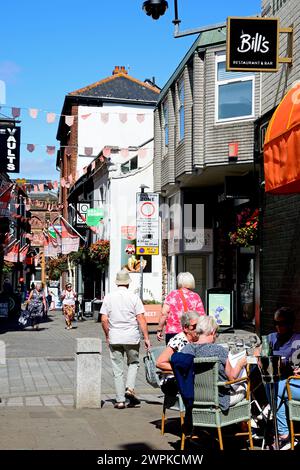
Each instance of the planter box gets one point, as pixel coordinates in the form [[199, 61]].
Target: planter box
[[152, 313]]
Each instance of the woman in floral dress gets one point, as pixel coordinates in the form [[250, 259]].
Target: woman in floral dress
[[36, 305], [176, 303]]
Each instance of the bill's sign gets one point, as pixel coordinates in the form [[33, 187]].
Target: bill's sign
[[10, 148], [252, 44]]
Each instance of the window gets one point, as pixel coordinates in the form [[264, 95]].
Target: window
[[129, 165], [181, 108], [234, 92], [166, 122]]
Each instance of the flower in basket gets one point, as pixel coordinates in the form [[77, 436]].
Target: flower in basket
[[246, 230]]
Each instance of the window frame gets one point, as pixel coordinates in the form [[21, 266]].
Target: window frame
[[249, 77]]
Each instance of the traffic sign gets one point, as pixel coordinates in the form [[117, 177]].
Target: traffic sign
[[147, 224]]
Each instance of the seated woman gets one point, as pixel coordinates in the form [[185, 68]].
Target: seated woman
[[207, 329], [188, 322], [286, 344]]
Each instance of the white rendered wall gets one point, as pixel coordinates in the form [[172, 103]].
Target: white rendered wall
[[93, 132], [123, 213]]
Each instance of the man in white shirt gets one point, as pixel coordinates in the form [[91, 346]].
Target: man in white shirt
[[122, 316]]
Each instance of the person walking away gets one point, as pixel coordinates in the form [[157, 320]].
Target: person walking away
[[122, 316], [68, 299], [176, 303], [36, 305]]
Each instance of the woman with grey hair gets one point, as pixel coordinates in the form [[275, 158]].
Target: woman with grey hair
[[36, 305], [189, 322], [207, 329], [178, 301]]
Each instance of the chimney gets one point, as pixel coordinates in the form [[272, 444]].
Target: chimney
[[119, 69]]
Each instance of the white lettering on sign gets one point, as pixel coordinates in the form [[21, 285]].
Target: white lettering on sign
[[11, 145], [256, 43]]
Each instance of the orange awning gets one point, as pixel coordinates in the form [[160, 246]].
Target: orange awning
[[282, 146]]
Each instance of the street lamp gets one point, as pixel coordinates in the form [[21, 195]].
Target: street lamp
[[157, 8]]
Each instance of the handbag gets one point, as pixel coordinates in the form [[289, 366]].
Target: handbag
[[150, 370]]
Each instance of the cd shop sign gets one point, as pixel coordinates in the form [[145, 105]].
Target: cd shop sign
[[10, 149], [252, 44]]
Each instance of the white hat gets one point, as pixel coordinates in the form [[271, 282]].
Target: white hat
[[123, 278]]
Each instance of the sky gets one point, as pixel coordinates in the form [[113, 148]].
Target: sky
[[49, 49]]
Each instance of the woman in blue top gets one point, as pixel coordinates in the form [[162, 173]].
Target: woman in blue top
[[286, 344]]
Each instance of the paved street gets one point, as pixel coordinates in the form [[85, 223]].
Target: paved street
[[40, 365]]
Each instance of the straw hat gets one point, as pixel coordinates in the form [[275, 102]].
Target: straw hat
[[123, 278]]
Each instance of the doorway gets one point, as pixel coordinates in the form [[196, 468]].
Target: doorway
[[198, 267]]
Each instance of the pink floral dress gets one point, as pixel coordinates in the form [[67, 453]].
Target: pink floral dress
[[175, 303]]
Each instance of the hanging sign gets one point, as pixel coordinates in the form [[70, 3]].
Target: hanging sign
[[82, 208], [10, 138], [93, 216], [252, 44], [147, 224]]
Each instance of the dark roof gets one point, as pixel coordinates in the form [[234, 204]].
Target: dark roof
[[120, 87]]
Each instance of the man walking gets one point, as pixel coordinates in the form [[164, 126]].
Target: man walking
[[122, 316]]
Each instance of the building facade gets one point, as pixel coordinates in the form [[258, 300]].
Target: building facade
[[108, 151], [203, 168]]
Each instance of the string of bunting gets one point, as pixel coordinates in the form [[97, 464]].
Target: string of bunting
[[87, 151], [70, 119]]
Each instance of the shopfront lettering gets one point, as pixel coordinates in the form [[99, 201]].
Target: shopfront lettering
[[257, 43]]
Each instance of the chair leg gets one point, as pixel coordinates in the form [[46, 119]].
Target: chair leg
[[250, 434], [220, 439], [182, 441], [163, 417], [292, 435]]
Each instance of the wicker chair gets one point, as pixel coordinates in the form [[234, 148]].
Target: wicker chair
[[206, 411], [170, 402], [294, 409]]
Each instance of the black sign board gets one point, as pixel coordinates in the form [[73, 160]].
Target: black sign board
[[252, 44], [10, 137]]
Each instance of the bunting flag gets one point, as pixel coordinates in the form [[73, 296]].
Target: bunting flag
[[69, 242], [63, 182], [104, 117], [69, 120], [85, 116], [50, 149], [55, 185], [15, 112], [41, 187], [5, 197], [30, 147], [123, 117], [88, 151], [106, 152], [140, 118], [142, 152], [51, 118], [33, 113]]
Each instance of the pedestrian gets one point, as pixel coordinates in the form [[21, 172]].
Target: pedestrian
[[23, 289], [49, 299], [178, 301], [36, 305], [122, 316], [68, 297]]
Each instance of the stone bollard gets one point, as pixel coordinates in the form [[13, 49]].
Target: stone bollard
[[88, 373]]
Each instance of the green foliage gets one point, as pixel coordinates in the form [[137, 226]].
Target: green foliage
[[7, 267]]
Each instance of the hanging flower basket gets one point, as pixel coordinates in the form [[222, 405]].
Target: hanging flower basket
[[246, 230]]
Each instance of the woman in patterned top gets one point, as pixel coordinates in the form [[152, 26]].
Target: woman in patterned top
[[68, 299], [36, 305], [207, 329], [189, 322], [177, 302]]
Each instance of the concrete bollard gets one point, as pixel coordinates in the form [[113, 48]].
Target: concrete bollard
[[88, 373]]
